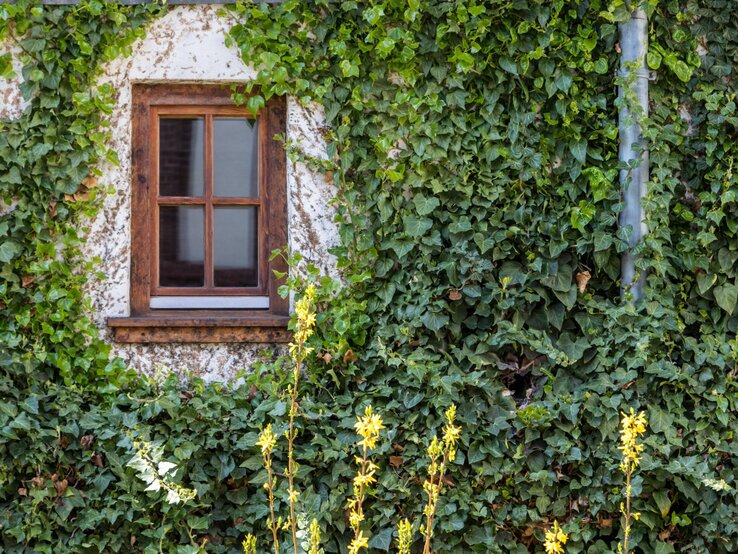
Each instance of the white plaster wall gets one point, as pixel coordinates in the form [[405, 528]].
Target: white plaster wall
[[11, 100], [188, 45]]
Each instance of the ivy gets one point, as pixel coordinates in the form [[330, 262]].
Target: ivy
[[473, 147]]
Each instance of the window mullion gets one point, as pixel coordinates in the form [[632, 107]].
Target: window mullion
[[209, 272]]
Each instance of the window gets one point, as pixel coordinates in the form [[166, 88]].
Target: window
[[208, 206]]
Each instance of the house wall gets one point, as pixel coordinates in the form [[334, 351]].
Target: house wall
[[187, 45]]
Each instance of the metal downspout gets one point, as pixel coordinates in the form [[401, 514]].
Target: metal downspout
[[633, 181]]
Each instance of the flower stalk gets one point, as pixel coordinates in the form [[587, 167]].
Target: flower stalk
[[249, 544], [305, 310], [632, 427], [267, 441], [441, 452], [368, 427], [555, 540], [404, 536], [314, 537]]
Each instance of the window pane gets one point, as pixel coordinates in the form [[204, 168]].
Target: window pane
[[235, 157], [181, 248], [236, 247], [181, 156]]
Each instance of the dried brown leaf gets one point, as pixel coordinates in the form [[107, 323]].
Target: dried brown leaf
[[89, 182], [583, 278], [61, 486]]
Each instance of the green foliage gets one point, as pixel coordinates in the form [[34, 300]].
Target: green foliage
[[474, 153], [45, 156]]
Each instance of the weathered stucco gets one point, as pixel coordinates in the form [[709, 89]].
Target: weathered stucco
[[11, 100], [187, 45]]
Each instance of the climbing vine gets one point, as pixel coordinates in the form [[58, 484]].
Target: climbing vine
[[473, 147]]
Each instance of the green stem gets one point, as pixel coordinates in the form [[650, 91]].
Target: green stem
[[291, 441]]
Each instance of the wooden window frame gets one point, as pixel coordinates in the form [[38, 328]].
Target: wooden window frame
[[147, 324]]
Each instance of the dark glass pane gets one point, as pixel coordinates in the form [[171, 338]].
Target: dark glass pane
[[181, 247], [181, 156], [235, 157], [236, 247]]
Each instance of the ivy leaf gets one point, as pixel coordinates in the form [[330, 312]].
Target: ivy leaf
[[269, 60], [662, 501], [417, 226], [602, 241], [582, 215], [508, 65], [434, 321], [726, 296], [401, 247], [255, 103], [424, 204], [705, 281], [588, 44], [563, 82], [579, 150], [349, 69], [8, 250], [600, 66], [653, 59], [682, 70], [385, 46], [6, 66], [659, 420], [663, 548], [373, 15], [598, 182], [382, 540], [464, 61]]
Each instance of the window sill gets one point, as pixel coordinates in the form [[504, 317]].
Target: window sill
[[201, 328]]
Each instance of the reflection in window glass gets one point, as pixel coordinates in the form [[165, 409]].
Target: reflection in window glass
[[181, 246], [235, 157], [181, 156], [236, 247]]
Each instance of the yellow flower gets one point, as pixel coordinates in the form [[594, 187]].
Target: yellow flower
[[267, 440], [404, 536], [632, 426], [355, 519], [360, 541], [451, 432], [555, 540], [435, 449], [314, 537], [368, 427], [305, 321], [249, 544], [364, 479]]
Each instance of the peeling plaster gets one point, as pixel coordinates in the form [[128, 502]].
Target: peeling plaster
[[187, 45], [12, 103]]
